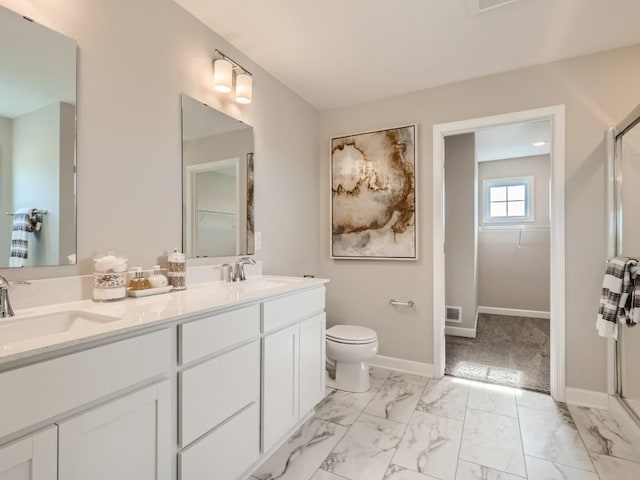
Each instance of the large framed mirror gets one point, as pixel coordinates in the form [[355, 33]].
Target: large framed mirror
[[217, 172], [37, 144]]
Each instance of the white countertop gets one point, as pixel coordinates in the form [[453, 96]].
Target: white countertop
[[134, 314]]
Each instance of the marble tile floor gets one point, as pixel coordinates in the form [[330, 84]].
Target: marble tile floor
[[408, 427]]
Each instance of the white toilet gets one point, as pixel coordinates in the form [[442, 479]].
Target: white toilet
[[350, 347]]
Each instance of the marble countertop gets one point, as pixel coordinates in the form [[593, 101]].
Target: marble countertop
[[137, 314]]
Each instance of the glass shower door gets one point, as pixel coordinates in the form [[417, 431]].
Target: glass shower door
[[628, 232]]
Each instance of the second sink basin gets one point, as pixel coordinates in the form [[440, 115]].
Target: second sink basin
[[20, 329]]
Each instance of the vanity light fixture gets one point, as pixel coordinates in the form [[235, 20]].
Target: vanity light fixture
[[222, 75], [223, 69]]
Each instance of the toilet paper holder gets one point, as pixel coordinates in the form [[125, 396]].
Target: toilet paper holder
[[408, 303]]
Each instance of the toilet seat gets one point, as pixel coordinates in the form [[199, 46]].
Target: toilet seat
[[351, 334]]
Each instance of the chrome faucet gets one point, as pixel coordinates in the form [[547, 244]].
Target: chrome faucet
[[238, 268], [5, 304]]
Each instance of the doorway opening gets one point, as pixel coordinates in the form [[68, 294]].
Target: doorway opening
[[504, 208], [497, 239]]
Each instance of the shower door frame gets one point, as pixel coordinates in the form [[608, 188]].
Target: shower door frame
[[614, 247]]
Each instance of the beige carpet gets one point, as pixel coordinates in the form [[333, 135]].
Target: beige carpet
[[512, 351]]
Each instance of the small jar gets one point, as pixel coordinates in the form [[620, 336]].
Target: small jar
[[109, 277], [156, 279], [138, 282], [177, 270]]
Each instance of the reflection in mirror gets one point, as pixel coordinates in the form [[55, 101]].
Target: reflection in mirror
[[217, 162], [37, 144], [628, 175]]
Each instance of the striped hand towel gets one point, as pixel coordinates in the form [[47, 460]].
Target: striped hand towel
[[618, 288], [25, 221]]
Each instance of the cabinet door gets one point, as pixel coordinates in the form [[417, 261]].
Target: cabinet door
[[32, 458], [312, 362], [279, 384], [127, 438]]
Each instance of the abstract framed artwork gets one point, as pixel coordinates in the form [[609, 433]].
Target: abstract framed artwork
[[373, 195]]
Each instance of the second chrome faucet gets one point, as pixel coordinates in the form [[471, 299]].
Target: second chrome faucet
[[235, 272]]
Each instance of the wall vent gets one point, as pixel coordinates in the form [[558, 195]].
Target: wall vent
[[454, 314], [479, 6]]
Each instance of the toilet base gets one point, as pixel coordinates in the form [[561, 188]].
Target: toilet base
[[352, 377]]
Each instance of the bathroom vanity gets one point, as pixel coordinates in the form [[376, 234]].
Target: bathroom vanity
[[203, 383]]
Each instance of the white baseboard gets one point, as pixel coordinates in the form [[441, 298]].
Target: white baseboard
[[514, 312], [587, 398], [624, 419], [402, 365], [460, 331]]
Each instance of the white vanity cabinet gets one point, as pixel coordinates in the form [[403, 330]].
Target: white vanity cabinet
[[31, 458], [293, 354], [125, 438], [108, 410], [312, 362], [280, 374], [219, 394]]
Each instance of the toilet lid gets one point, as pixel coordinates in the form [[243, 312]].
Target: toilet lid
[[351, 334]]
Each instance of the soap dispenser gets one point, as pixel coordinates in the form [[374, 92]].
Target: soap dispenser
[[138, 282], [156, 279]]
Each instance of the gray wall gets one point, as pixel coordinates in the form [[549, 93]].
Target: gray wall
[[513, 267], [135, 58], [460, 232], [597, 91]]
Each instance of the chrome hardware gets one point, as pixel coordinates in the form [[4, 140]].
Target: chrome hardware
[[5, 304], [238, 268], [227, 268], [396, 303]]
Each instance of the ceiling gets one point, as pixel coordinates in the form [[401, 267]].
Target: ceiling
[[514, 140], [336, 53]]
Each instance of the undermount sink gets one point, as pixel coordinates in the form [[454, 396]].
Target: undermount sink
[[20, 329]]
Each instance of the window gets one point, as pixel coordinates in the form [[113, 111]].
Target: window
[[508, 200]]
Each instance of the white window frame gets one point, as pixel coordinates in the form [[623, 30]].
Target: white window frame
[[487, 219]]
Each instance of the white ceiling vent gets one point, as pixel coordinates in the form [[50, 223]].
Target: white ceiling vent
[[479, 6]]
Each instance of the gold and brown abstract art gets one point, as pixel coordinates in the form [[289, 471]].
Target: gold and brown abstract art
[[373, 201]]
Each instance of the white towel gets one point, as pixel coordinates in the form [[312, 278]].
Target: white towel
[[25, 221]]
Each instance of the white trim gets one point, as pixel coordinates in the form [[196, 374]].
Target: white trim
[[620, 414], [587, 398], [557, 287], [460, 331], [402, 365], [514, 312]]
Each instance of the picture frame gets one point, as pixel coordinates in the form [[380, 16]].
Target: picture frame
[[373, 195]]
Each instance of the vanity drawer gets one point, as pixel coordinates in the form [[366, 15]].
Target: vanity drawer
[[43, 390], [291, 308], [216, 389], [209, 335], [227, 451]]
